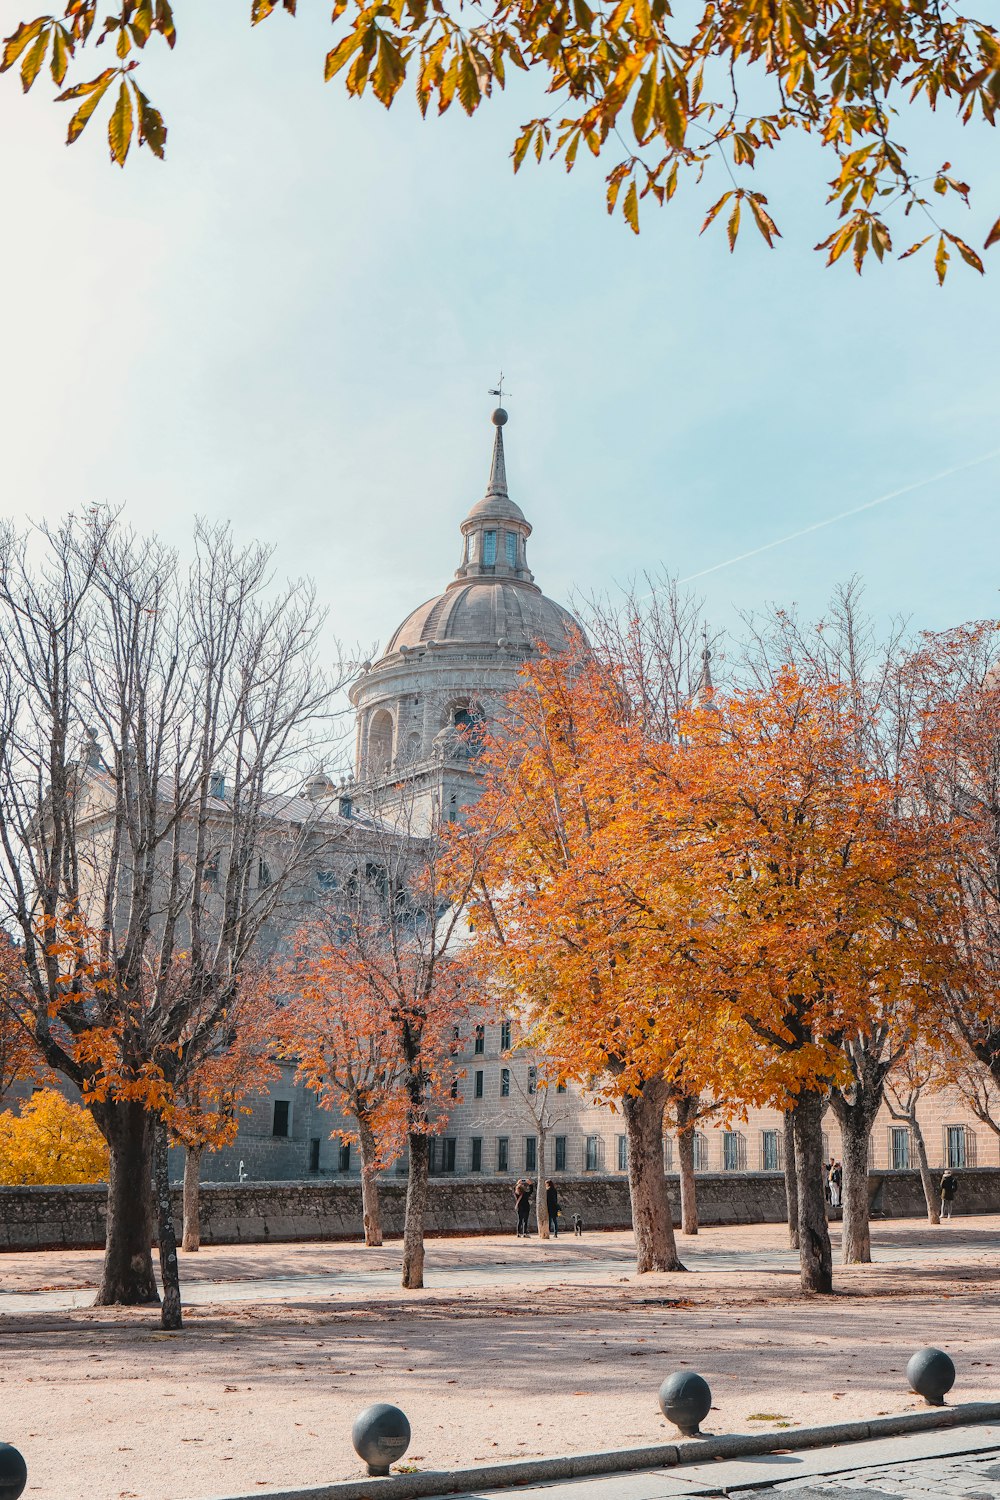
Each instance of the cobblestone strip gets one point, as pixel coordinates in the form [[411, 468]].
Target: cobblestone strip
[[964, 1477]]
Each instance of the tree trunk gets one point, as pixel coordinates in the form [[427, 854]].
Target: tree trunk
[[855, 1132], [192, 1198], [127, 1278], [416, 1203], [170, 1312], [541, 1204], [370, 1206], [689, 1191], [926, 1181], [652, 1221], [815, 1257], [791, 1181]]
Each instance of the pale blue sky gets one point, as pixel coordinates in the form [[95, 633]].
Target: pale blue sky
[[294, 322]]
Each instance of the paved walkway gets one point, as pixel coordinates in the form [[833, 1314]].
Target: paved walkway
[[566, 1262], [959, 1463]]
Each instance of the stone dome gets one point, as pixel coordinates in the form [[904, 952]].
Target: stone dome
[[487, 611]]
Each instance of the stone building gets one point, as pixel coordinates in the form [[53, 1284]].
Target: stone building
[[445, 667]]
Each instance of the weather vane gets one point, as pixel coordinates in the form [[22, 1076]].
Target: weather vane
[[498, 392]]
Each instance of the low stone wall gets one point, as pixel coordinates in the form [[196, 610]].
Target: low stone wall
[[258, 1212]]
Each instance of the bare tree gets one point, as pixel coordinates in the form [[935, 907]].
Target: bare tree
[[152, 718], [534, 1095], [915, 1072]]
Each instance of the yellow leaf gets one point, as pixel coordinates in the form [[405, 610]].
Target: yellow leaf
[[733, 227], [93, 93], [341, 54], [765, 223], [716, 207], [16, 44], [120, 126], [967, 253], [33, 61], [993, 236], [941, 258], [631, 208]]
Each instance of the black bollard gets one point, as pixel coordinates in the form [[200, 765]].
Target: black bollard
[[931, 1374], [381, 1435], [686, 1400], [13, 1472]]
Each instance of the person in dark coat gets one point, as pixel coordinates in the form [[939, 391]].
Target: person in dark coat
[[522, 1202], [949, 1187], [552, 1207]]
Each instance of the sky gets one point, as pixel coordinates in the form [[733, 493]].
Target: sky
[[293, 325]]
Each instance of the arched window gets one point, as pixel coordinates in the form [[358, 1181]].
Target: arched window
[[379, 740]]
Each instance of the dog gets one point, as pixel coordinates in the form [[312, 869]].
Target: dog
[[577, 1225]]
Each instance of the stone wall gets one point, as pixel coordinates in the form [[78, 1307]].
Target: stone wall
[[256, 1213]]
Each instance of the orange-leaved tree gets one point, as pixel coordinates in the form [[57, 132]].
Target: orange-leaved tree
[[673, 94], [50, 1141], [812, 900], [342, 1030]]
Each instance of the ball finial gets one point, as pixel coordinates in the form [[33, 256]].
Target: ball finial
[[499, 417]]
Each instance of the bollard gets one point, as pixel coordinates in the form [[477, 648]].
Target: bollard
[[931, 1374], [381, 1435], [13, 1472], [685, 1400]]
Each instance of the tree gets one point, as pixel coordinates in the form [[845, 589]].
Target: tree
[[661, 89], [153, 719], [807, 887], [916, 1071], [20, 1059], [554, 917], [342, 1032], [50, 1141], [534, 1096]]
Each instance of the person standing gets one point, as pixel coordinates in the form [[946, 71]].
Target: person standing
[[552, 1207], [836, 1183], [522, 1202], [949, 1187]]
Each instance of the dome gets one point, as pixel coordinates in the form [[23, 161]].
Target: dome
[[483, 611]]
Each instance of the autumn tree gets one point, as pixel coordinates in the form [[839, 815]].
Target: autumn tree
[[153, 716], [20, 1059], [341, 1029], [661, 96], [49, 1140]]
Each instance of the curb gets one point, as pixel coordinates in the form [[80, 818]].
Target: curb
[[625, 1460]]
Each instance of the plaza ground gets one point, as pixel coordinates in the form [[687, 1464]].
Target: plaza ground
[[513, 1349]]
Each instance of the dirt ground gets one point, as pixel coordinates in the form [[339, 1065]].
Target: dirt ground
[[255, 1396]]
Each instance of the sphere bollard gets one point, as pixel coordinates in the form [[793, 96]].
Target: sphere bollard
[[13, 1472], [685, 1400], [931, 1374], [381, 1435]]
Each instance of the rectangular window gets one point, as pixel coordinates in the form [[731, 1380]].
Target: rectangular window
[[532, 1080], [734, 1151], [530, 1153], [479, 1084], [447, 1153], [668, 1154], [504, 1036], [314, 1154], [510, 541], [770, 1160], [560, 1088], [700, 1151], [477, 1153], [592, 1157], [560, 1153], [956, 1146], [479, 1047], [489, 548], [899, 1148], [344, 1157], [503, 1153], [623, 1153], [504, 1083], [282, 1117]]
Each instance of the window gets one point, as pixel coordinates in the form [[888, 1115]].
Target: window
[[453, 808], [826, 1147], [504, 1083], [344, 1157], [263, 874], [510, 542], [479, 1084], [960, 1143], [530, 1154], [899, 1148], [594, 1155], [489, 548], [734, 1151], [326, 880], [770, 1151], [700, 1151], [504, 1036], [668, 1153], [560, 1088], [532, 1080], [470, 547], [314, 1154], [477, 1153], [282, 1117], [560, 1153], [480, 1044], [503, 1153], [623, 1153], [454, 1087], [447, 1153]]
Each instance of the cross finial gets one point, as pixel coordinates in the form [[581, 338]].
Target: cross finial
[[498, 390]]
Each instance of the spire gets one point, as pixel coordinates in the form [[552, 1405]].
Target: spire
[[497, 487], [705, 694]]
